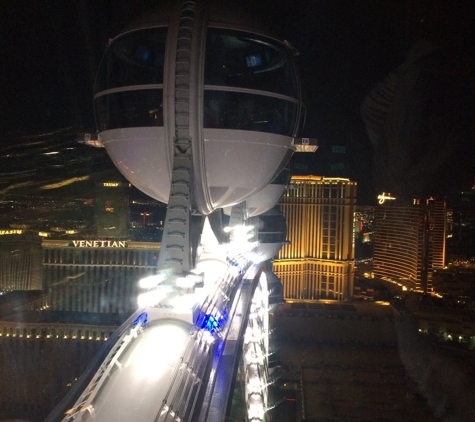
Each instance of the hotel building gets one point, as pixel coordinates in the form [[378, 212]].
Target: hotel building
[[318, 261], [111, 211], [96, 275], [99, 275], [20, 261], [409, 240]]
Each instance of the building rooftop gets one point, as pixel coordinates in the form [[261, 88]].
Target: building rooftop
[[364, 362]]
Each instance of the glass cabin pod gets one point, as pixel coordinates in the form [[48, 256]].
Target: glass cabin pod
[[243, 104]]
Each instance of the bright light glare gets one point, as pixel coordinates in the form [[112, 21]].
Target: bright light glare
[[207, 337], [163, 348], [208, 238], [183, 302], [152, 281], [234, 271], [212, 269], [237, 248], [185, 282], [241, 233], [256, 407], [263, 279], [255, 258], [150, 298]]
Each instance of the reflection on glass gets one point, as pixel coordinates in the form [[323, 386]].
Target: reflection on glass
[[234, 110], [283, 178], [136, 58], [238, 60], [129, 109], [271, 226]]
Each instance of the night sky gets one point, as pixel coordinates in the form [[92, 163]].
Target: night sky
[[51, 50]]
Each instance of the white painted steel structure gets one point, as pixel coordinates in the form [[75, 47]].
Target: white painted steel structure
[[167, 358], [198, 107], [205, 79]]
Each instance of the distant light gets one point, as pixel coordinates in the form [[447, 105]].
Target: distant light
[[64, 183], [305, 144], [7, 232], [51, 153]]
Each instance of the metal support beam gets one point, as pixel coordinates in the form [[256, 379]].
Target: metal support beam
[[175, 252]]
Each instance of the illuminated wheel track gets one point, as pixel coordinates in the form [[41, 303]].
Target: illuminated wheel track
[[165, 370]]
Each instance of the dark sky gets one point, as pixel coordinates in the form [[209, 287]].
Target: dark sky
[[51, 50]]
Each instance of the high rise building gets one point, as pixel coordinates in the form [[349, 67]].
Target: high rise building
[[318, 261], [409, 240], [461, 226], [112, 209]]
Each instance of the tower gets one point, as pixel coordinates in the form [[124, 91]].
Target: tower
[[111, 212], [318, 262], [409, 240]]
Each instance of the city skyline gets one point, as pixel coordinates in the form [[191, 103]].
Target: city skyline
[[345, 50], [398, 64]]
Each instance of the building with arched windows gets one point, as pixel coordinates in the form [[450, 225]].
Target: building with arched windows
[[20, 261], [318, 260], [95, 275]]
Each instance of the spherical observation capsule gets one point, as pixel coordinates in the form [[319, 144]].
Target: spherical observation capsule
[[214, 73]]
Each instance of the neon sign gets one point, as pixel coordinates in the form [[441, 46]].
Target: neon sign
[[383, 198], [2, 232], [99, 243]]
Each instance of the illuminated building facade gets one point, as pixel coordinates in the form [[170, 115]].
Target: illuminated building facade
[[461, 227], [95, 275], [318, 263], [363, 229], [20, 261], [112, 209], [409, 241]]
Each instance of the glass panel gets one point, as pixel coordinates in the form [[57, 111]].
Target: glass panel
[[129, 109], [234, 110], [136, 58], [244, 60], [283, 177], [272, 228]]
